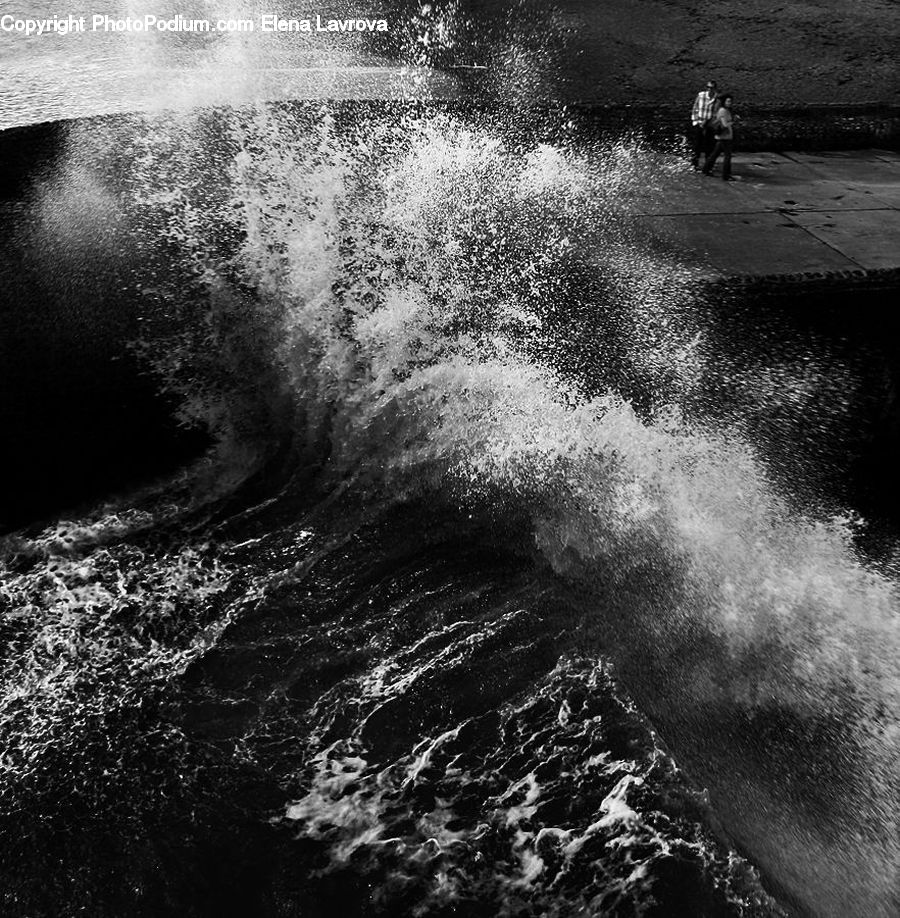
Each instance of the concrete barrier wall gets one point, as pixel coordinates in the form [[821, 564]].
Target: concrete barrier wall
[[28, 151], [819, 127]]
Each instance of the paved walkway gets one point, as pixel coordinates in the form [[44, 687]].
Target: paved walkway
[[791, 213]]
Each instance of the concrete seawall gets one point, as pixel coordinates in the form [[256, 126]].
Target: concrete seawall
[[24, 150], [759, 127]]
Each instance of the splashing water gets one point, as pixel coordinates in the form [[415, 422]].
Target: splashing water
[[425, 312], [422, 285]]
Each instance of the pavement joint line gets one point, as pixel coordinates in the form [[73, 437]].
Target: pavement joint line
[[825, 242], [713, 213], [759, 213]]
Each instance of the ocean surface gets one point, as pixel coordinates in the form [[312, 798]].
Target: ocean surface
[[81, 73], [508, 582]]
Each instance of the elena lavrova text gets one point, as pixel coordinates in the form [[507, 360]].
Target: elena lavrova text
[[268, 22]]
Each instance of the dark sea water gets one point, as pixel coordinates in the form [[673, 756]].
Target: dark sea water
[[499, 583]]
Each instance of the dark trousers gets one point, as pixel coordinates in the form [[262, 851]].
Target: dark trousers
[[701, 142], [723, 147]]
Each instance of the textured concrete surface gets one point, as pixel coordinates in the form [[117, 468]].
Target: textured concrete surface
[[791, 51], [790, 213]]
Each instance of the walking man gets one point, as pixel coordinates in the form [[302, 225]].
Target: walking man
[[724, 133], [701, 123]]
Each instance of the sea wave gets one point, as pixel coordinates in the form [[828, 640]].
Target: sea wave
[[423, 311]]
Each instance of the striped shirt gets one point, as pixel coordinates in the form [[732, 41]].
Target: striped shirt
[[703, 107]]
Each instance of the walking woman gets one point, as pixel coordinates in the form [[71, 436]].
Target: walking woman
[[724, 134]]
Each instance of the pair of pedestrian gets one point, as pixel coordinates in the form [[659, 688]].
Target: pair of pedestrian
[[712, 131]]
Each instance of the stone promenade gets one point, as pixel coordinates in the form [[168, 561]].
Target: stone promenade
[[789, 214]]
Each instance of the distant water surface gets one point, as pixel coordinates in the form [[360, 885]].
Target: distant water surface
[[52, 76]]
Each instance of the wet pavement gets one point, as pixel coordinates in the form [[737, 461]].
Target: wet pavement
[[788, 213]]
